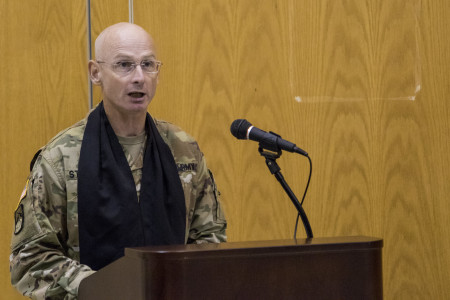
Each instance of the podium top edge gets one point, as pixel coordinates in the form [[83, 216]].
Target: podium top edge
[[305, 244]]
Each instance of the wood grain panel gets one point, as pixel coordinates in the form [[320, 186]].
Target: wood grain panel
[[356, 49], [416, 172], [435, 30], [407, 211], [43, 90]]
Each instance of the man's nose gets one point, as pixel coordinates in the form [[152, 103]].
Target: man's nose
[[138, 74]]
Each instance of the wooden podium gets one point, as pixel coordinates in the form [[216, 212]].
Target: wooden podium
[[318, 268]]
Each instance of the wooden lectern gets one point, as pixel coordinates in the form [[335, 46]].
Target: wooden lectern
[[318, 268]]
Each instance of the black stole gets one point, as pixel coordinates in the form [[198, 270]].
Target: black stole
[[110, 217]]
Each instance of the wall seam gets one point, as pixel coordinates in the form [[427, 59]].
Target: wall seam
[[130, 11], [89, 50]]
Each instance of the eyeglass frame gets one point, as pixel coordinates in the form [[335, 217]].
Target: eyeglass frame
[[134, 65]]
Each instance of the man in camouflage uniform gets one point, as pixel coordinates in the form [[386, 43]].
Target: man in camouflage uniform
[[45, 258]]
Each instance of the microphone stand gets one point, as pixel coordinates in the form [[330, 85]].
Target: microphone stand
[[276, 171]]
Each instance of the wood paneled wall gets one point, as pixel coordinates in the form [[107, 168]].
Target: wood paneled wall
[[328, 75], [43, 90]]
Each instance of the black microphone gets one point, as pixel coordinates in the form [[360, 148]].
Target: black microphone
[[244, 130]]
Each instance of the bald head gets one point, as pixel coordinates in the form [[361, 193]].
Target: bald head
[[112, 36]]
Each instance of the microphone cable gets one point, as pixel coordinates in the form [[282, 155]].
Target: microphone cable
[[304, 195]]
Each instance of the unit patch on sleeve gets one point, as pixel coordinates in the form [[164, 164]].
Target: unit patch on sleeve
[[18, 219]]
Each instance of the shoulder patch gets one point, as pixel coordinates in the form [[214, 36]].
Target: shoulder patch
[[18, 219]]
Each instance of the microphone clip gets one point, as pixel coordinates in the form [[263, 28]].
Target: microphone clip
[[271, 158], [270, 145]]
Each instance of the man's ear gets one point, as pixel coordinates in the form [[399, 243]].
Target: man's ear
[[94, 72]]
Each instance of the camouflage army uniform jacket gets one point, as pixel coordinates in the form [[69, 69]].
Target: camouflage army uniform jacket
[[44, 259]]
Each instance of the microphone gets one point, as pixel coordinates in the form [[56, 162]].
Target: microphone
[[244, 130]]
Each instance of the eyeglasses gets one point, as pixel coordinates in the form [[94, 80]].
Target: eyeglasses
[[126, 67]]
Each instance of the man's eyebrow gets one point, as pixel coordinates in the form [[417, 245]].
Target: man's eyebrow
[[150, 56]]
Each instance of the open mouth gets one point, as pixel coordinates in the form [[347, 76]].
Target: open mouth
[[136, 95]]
